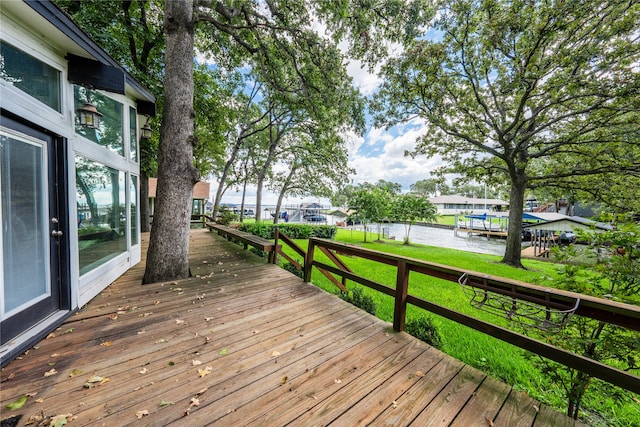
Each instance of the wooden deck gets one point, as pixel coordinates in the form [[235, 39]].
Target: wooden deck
[[244, 342]]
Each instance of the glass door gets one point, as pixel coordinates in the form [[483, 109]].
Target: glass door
[[31, 232]]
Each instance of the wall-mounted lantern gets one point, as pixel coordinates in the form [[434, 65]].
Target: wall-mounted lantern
[[89, 116], [146, 130]]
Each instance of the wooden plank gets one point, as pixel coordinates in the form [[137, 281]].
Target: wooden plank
[[443, 409], [519, 410], [484, 404], [548, 416]]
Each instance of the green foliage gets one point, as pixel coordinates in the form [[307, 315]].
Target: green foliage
[[424, 328], [358, 298], [293, 269], [409, 208], [226, 216], [295, 231]]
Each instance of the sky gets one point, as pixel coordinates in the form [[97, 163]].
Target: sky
[[378, 154]]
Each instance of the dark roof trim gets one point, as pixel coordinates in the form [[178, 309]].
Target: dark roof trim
[[95, 74], [64, 23]]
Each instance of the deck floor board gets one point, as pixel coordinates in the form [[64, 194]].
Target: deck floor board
[[243, 342]]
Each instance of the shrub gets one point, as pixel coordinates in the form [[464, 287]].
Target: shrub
[[424, 329], [359, 299], [226, 216], [293, 269], [294, 231]]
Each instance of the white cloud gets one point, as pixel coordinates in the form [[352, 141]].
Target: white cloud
[[388, 161]]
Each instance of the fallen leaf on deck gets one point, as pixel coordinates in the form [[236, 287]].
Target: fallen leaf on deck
[[106, 344], [202, 391], [60, 420], [55, 355], [224, 352], [113, 316], [196, 362], [51, 335], [17, 404], [160, 341], [144, 371], [394, 404], [205, 371], [75, 372], [179, 322], [489, 422], [284, 380], [142, 332], [164, 403], [50, 372], [176, 289], [195, 401], [208, 319], [337, 381], [34, 394], [275, 353], [142, 413], [40, 400], [419, 374]]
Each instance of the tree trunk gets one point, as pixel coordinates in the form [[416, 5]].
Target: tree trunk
[[513, 251], [168, 256]]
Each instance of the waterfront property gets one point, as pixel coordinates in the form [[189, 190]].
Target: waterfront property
[[69, 152], [455, 204], [244, 342]]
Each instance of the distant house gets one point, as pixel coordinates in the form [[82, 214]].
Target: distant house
[[455, 204], [198, 200], [69, 190]]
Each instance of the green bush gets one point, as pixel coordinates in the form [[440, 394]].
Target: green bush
[[359, 299], [424, 329], [226, 216], [293, 269], [294, 231]]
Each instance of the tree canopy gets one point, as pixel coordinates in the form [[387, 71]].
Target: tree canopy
[[538, 93]]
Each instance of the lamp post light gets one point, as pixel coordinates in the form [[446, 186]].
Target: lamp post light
[[146, 130]]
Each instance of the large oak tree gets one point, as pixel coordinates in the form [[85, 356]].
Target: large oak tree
[[536, 92]]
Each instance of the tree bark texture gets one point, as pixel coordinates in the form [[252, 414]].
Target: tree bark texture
[[168, 256], [513, 251]]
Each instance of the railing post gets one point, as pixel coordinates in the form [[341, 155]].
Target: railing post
[[402, 289], [308, 262]]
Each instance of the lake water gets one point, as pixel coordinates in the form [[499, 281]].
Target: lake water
[[443, 238]]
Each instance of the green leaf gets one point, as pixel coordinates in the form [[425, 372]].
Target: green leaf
[[223, 352], [164, 403], [17, 404]]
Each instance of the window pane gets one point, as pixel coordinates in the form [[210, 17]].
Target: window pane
[[24, 236], [133, 194], [102, 218], [30, 75], [110, 132], [133, 134]]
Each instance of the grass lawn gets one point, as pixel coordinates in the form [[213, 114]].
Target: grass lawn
[[497, 358]]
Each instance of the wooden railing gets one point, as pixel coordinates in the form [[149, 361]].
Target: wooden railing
[[518, 294]]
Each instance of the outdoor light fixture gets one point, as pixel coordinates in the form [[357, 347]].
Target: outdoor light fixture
[[146, 130], [89, 116]]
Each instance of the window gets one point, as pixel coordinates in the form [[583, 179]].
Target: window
[[30, 75], [102, 222], [133, 135], [133, 194], [110, 133]]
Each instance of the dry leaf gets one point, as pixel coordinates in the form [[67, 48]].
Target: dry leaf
[[337, 381], [195, 401], [275, 353], [142, 413], [160, 341], [489, 422], [179, 322], [113, 316], [74, 373], [394, 404], [202, 391], [106, 344], [164, 403], [207, 319], [205, 371], [51, 335], [144, 371], [284, 380], [55, 355], [50, 372], [419, 374], [196, 362], [40, 400], [60, 420]]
